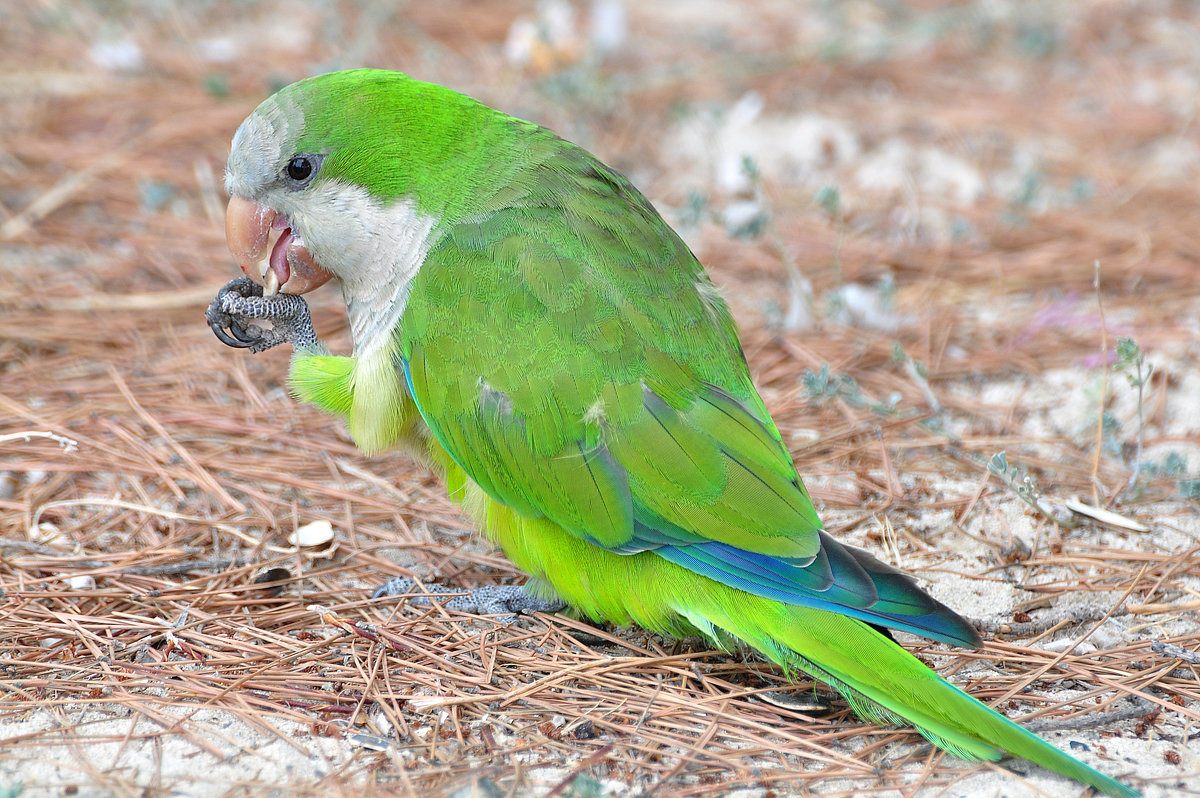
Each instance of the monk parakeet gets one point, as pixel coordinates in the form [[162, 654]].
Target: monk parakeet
[[527, 324]]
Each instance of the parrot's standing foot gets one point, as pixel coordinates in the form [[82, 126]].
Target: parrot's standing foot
[[507, 601], [241, 301]]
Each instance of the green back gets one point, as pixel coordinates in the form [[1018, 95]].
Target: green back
[[571, 355]]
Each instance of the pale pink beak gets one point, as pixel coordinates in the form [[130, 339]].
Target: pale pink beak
[[266, 249]]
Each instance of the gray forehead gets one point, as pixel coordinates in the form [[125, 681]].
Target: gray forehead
[[260, 145]]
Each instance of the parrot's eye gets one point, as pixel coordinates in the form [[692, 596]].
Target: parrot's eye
[[301, 170]]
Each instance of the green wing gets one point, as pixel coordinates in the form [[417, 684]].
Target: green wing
[[571, 355]]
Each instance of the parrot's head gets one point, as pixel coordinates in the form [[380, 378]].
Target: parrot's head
[[348, 175], [280, 193]]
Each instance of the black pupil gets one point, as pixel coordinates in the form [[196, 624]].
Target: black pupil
[[299, 168]]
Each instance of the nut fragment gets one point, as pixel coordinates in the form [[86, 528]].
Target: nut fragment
[[1105, 516], [312, 534]]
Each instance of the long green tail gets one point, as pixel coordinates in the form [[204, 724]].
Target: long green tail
[[883, 682]]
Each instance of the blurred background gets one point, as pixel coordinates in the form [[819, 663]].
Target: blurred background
[[935, 223]]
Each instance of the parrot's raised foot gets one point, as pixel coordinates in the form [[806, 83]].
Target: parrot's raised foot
[[241, 301], [507, 601]]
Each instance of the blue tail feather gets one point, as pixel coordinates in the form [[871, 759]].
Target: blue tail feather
[[891, 598]]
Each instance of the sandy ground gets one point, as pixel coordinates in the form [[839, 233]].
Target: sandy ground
[[909, 195], [159, 748]]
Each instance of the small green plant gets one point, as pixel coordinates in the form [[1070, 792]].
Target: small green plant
[[1174, 466], [829, 198], [917, 372], [1132, 360], [823, 385], [755, 216], [1110, 433], [217, 84], [799, 311], [1026, 488]]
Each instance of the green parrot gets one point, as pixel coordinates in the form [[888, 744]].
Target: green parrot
[[526, 324]]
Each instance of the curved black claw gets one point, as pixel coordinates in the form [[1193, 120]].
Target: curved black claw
[[238, 336], [248, 336], [241, 300], [220, 320], [226, 338]]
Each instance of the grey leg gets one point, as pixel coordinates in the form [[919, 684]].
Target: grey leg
[[508, 601], [241, 301]]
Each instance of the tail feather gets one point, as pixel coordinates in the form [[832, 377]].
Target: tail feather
[[855, 584], [884, 683]]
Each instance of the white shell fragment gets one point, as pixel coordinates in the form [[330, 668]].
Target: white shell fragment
[[314, 533], [1105, 516]]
